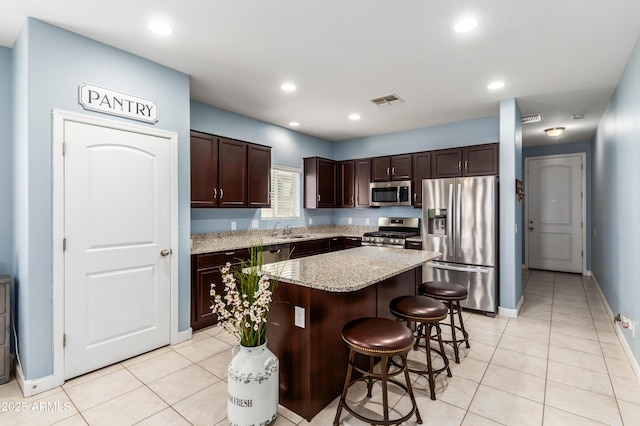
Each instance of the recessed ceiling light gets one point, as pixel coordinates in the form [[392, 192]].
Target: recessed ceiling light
[[465, 25], [554, 131], [160, 28], [354, 117], [288, 87], [496, 85], [294, 124]]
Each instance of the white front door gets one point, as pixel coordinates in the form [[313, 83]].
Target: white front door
[[554, 213], [117, 229]]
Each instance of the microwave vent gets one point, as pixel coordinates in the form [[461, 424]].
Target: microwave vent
[[534, 118], [387, 100]]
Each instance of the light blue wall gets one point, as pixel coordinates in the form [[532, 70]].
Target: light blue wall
[[6, 211], [510, 241], [49, 65], [616, 200], [566, 148], [289, 148], [462, 133]]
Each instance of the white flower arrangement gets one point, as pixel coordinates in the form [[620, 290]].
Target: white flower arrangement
[[243, 309]]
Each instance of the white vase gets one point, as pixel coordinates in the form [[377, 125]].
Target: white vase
[[252, 386]]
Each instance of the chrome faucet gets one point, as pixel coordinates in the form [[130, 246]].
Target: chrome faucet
[[287, 230], [274, 233]]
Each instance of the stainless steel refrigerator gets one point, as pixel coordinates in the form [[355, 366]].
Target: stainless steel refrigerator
[[460, 220]]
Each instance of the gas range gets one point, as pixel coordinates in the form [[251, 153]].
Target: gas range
[[392, 232]]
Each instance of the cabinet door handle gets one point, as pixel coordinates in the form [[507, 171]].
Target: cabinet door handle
[[221, 193], [215, 193], [415, 196], [230, 253], [393, 170], [318, 197], [351, 200], [466, 165], [387, 171], [459, 165]]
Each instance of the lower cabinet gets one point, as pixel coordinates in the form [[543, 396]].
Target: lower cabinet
[[205, 270], [309, 248], [413, 245]]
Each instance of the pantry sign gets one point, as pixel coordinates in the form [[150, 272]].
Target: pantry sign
[[100, 99]]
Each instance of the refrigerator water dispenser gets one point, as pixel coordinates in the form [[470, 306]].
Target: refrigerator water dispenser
[[437, 221]]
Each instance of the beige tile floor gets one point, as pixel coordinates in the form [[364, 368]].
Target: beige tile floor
[[559, 363]]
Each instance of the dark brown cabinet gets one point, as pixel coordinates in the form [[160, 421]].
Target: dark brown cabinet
[[347, 183], [362, 180], [395, 167], [309, 248], [258, 176], [228, 173], [421, 170], [320, 183], [476, 160], [413, 245], [350, 242], [205, 270]]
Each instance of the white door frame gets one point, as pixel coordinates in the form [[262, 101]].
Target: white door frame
[[583, 204], [59, 117]]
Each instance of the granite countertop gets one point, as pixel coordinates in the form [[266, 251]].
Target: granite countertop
[[348, 270], [234, 240]]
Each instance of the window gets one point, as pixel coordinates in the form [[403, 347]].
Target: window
[[285, 194]]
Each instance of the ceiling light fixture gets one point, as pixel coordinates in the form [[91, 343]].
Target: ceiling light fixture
[[160, 28], [294, 124], [465, 25], [554, 131], [354, 117], [288, 87], [496, 85]]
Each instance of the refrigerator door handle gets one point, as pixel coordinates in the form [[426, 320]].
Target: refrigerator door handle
[[450, 219], [458, 214], [450, 267]]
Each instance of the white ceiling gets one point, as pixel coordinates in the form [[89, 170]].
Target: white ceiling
[[556, 57]]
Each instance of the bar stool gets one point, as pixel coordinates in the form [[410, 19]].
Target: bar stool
[[451, 294], [426, 313], [384, 338]]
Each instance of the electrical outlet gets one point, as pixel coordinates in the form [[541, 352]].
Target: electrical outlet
[[310, 221], [299, 316], [254, 224], [349, 221], [366, 221], [233, 225]]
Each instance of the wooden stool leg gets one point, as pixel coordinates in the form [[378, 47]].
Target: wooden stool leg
[[347, 382]]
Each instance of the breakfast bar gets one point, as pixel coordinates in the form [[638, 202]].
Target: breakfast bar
[[315, 297]]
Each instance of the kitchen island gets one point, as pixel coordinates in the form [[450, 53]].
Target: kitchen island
[[316, 296]]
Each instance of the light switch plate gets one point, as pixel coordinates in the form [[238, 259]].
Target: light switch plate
[[254, 224], [366, 221], [299, 317], [233, 225], [349, 221], [310, 221]]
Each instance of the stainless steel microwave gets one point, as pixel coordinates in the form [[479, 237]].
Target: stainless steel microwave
[[394, 193]]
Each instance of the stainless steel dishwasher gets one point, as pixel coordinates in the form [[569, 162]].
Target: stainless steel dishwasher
[[275, 253]]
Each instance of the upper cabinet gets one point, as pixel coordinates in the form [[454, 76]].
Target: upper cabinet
[[476, 160], [346, 171], [395, 167], [320, 183], [421, 170], [362, 180], [228, 173]]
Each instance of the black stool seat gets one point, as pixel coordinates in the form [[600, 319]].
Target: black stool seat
[[378, 338], [451, 294], [443, 290], [418, 308], [426, 313]]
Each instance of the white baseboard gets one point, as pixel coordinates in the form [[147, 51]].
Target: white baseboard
[[36, 386], [511, 313], [184, 335], [632, 360]]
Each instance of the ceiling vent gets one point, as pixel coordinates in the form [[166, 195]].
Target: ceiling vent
[[387, 100], [525, 119]]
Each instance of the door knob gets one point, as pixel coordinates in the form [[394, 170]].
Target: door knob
[[531, 228], [165, 252]]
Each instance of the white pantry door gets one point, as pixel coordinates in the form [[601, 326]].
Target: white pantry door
[[554, 212], [117, 268]]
